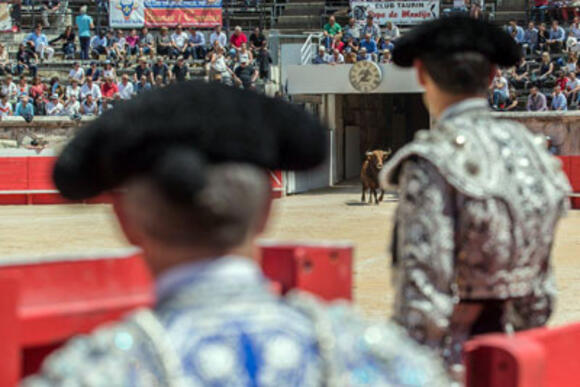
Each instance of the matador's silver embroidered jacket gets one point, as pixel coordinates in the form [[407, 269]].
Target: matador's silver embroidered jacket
[[479, 200], [218, 324]]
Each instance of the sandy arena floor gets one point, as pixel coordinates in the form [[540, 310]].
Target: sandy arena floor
[[330, 214]]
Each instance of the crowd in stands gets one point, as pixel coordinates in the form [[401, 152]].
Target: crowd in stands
[[144, 60]]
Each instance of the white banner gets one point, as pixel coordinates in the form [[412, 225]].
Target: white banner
[[126, 13], [398, 12]]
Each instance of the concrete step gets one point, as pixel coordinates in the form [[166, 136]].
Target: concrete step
[[295, 21], [502, 17]]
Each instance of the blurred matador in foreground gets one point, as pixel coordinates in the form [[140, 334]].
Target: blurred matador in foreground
[[191, 161], [479, 197]]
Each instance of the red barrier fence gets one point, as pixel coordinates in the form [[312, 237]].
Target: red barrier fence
[[571, 166]]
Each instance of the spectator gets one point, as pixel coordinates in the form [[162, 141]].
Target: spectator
[[180, 70], [146, 42], [244, 55], [5, 106], [53, 7], [371, 29], [238, 38], [84, 25], [126, 89], [5, 66], [336, 57], [539, 10], [143, 69], [370, 46], [391, 31], [77, 73], [38, 41], [575, 28], [352, 46], [556, 38], [219, 70], [94, 72], [512, 101], [109, 71], [143, 85], [109, 92], [89, 107], [561, 79], [54, 107], [363, 55], [330, 30], [117, 45], [68, 42], [385, 44], [257, 40], [264, 61], [99, 45], [500, 90], [519, 76], [516, 31], [543, 36], [531, 38], [163, 42], [544, 73], [24, 109], [572, 89], [73, 90], [179, 41], [159, 82], [56, 87], [337, 44], [161, 69], [351, 30], [91, 88], [196, 45], [132, 42], [559, 101], [9, 89], [351, 58], [321, 57], [37, 88], [72, 107], [218, 36], [23, 87], [571, 62], [386, 57], [39, 106], [246, 75]]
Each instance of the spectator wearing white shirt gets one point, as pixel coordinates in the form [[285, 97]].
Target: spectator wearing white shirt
[[386, 57], [99, 44], [391, 31], [126, 90], [336, 57], [54, 107], [179, 40], [91, 88], [71, 107], [500, 89], [77, 73], [5, 106], [89, 107], [9, 89], [73, 90], [219, 36]]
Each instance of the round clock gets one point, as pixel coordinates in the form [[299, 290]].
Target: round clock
[[365, 76]]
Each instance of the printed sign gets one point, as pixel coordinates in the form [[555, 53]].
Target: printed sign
[[398, 12], [126, 13], [196, 13]]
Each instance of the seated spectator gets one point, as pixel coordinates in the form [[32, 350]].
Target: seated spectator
[[544, 73], [53, 7], [500, 90], [572, 89], [179, 41], [77, 73], [351, 30], [132, 42], [161, 69], [109, 92], [351, 45], [180, 70], [337, 44], [126, 89], [89, 107], [84, 25], [39, 106], [146, 42], [24, 109], [238, 38], [539, 10], [370, 46], [330, 30], [54, 107], [39, 43], [196, 44], [321, 57], [556, 38], [159, 82], [363, 55], [336, 57], [37, 88], [219, 71], [244, 55], [257, 40], [68, 42], [143, 85], [559, 101], [575, 28], [264, 61], [351, 58], [516, 31], [5, 106], [92, 89], [56, 87], [94, 72], [543, 37], [386, 57], [143, 69], [531, 38], [9, 89], [371, 29], [5, 65], [109, 71], [163, 42], [245, 75], [218, 36], [23, 87], [385, 44], [391, 31], [561, 79], [512, 101], [73, 90], [118, 46], [519, 76], [72, 107], [99, 45]]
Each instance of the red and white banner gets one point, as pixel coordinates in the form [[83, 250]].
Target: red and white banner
[[277, 183], [398, 12]]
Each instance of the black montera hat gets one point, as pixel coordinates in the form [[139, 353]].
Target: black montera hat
[[446, 36], [173, 133]]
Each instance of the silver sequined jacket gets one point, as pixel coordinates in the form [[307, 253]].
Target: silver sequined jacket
[[223, 327], [479, 200]]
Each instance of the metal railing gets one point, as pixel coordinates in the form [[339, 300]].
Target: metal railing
[[310, 47]]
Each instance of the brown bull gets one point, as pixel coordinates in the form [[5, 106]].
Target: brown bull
[[369, 174]]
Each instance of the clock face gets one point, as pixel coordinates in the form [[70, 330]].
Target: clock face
[[365, 76]]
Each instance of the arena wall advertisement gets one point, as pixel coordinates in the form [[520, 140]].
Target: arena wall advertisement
[[398, 12], [159, 13]]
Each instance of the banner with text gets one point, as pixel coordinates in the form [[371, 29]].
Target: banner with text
[[126, 13], [197, 13], [398, 12]]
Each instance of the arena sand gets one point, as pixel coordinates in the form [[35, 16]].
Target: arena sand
[[329, 214]]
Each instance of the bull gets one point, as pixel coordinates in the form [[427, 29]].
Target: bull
[[369, 174]]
